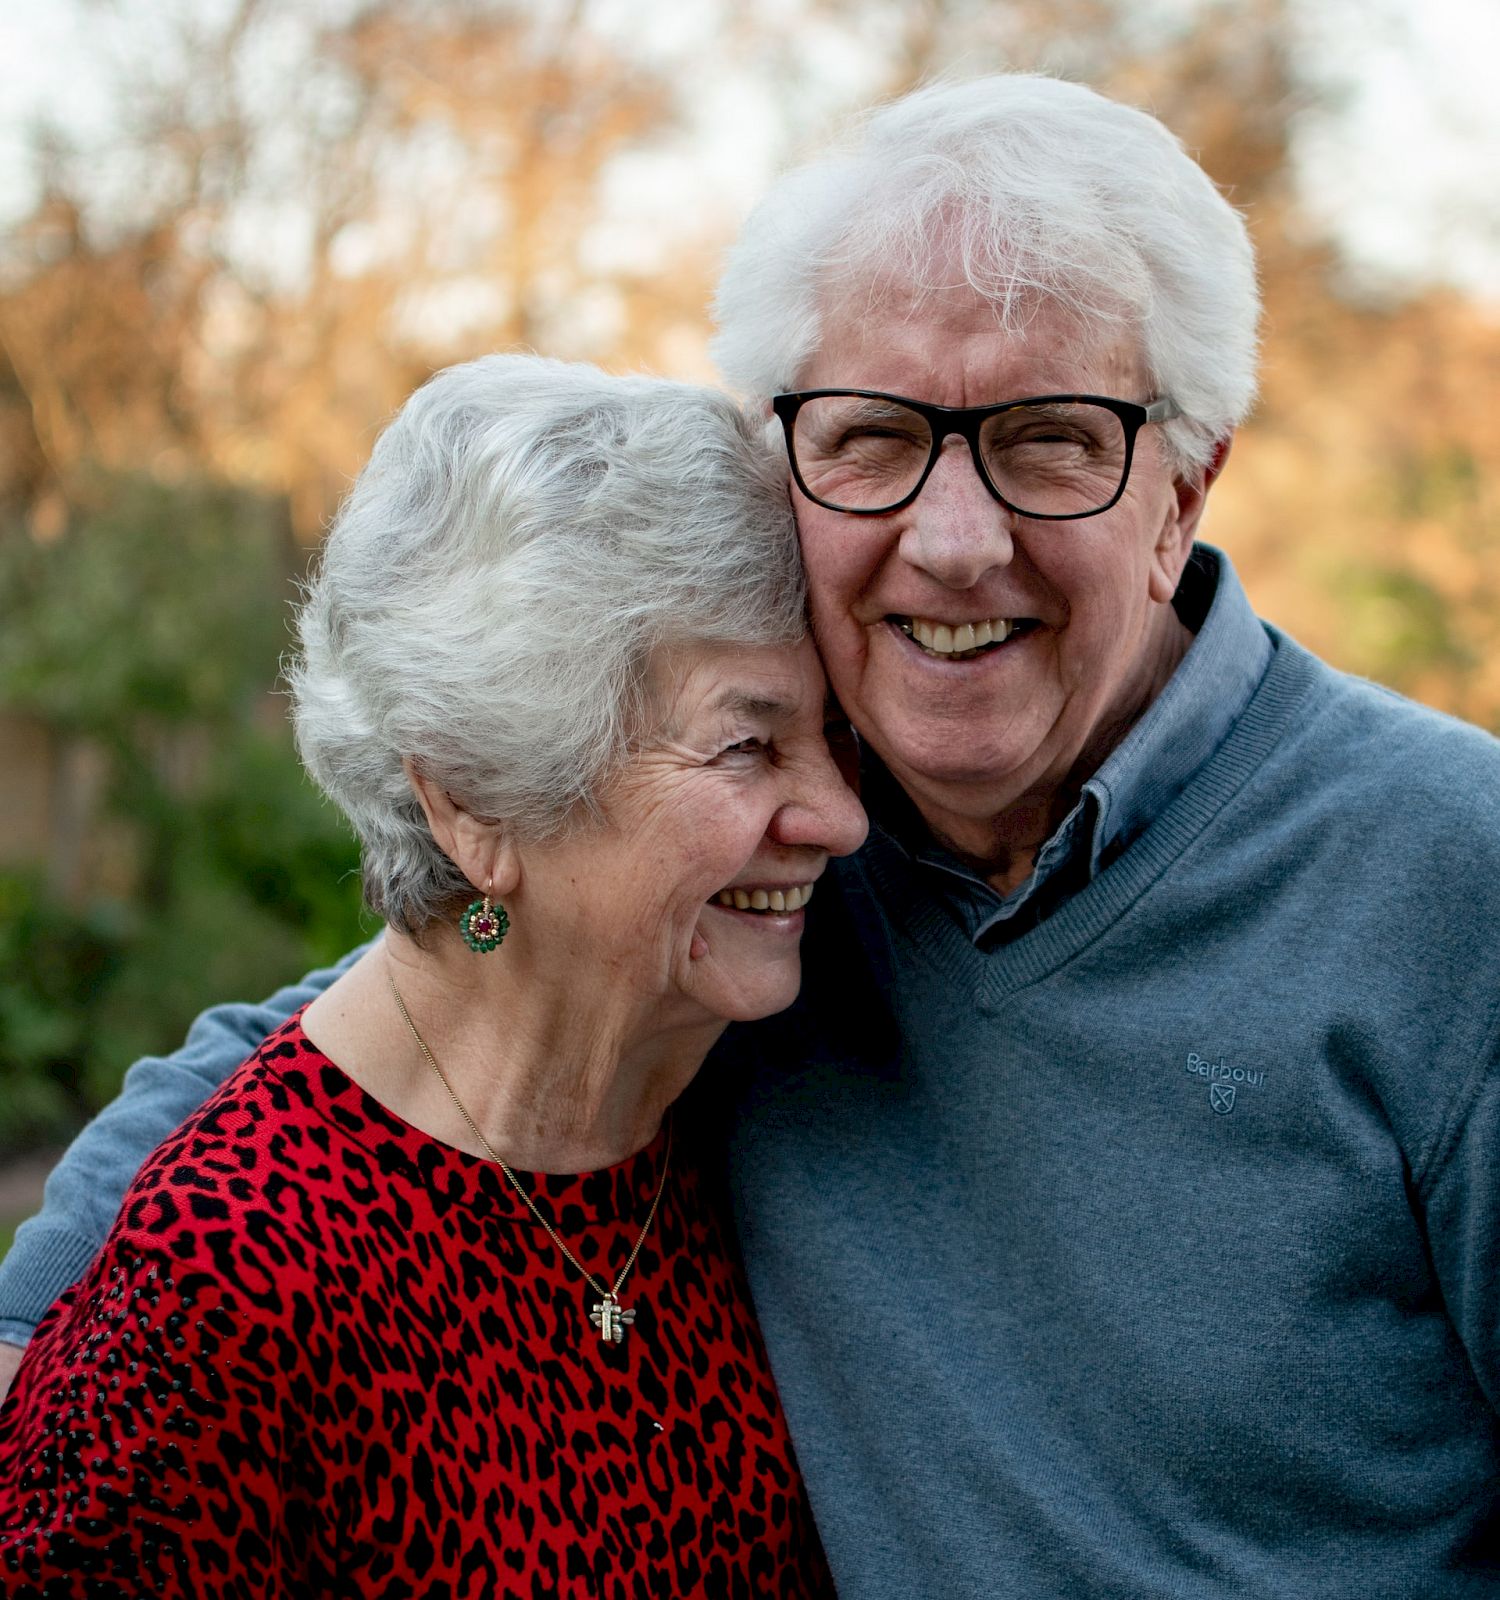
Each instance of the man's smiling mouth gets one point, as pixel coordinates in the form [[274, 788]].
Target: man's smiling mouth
[[961, 641]]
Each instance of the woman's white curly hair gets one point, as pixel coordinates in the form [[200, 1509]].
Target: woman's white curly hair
[[527, 535]]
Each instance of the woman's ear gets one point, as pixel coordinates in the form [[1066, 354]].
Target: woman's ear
[[480, 848]]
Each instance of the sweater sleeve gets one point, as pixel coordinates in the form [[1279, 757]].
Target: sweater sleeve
[[83, 1194], [1462, 1195], [133, 1459]]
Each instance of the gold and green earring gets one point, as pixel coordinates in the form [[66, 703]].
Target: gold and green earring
[[484, 924]]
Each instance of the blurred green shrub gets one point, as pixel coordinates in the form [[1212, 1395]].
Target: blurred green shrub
[[151, 632]]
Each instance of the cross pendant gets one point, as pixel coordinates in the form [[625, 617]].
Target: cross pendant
[[611, 1320]]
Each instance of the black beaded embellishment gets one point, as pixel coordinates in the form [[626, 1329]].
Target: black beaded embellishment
[[483, 925]]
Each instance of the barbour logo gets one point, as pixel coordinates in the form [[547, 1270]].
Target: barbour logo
[[1224, 1081]]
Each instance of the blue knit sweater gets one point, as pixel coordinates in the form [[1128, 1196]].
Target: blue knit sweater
[[1157, 1252], [1152, 1252]]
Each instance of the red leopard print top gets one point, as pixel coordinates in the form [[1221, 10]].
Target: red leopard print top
[[322, 1353]]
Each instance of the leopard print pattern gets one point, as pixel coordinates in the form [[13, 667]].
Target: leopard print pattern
[[322, 1353]]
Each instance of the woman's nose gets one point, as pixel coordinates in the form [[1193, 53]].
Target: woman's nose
[[824, 812]]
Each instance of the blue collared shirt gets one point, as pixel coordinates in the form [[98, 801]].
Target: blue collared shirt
[[1144, 773]]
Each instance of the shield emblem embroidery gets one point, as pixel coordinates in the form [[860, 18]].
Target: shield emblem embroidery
[[1221, 1097]]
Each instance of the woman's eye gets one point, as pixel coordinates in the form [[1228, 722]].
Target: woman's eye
[[746, 747]]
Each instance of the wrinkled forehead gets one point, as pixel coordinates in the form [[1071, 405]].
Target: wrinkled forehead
[[939, 337], [688, 685]]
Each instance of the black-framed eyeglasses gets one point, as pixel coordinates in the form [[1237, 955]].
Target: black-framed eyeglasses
[[1053, 456]]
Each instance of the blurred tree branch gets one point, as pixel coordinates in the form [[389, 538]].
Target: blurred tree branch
[[263, 274], [302, 210]]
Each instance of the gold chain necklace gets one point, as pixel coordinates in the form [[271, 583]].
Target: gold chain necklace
[[609, 1316]]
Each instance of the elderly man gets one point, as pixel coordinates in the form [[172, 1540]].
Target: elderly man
[[1120, 1196]]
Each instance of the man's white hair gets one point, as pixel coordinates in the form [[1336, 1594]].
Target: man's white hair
[[1041, 191], [527, 536]]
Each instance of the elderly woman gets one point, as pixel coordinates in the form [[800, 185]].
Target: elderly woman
[[435, 1295]]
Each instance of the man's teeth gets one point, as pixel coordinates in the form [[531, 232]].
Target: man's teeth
[[945, 640], [792, 899]]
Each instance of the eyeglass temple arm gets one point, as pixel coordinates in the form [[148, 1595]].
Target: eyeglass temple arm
[[1163, 410]]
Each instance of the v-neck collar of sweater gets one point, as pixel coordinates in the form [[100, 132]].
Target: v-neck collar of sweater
[[903, 889], [1158, 757]]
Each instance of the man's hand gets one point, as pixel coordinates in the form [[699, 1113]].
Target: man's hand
[[10, 1361]]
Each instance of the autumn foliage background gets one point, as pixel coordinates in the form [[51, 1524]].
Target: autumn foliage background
[[211, 310]]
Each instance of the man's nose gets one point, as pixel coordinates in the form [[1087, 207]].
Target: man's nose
[[956, 530]]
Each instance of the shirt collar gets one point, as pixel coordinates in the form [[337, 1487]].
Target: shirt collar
[[1192, 715], [1146, 771]]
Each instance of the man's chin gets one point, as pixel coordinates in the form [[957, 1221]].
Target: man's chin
[[970, 776]]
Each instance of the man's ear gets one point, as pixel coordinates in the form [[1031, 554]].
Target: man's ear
[[1192, 491], [1177, 533], [479, 847]]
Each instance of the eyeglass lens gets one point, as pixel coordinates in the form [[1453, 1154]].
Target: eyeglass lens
[[861, 454]]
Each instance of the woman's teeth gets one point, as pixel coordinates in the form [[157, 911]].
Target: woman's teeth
[[792, 899], [961, 642]]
